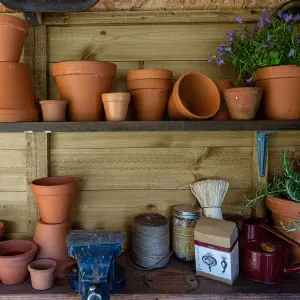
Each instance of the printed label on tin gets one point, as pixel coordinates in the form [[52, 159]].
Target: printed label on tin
[[183, 241]]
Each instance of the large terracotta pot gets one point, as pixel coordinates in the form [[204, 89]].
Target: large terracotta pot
[[287, 212], [51, 239], [149, 89], [14, 259], [116, 106], [195, 96], [281, 96], [54, 197], [243, 103], [82, 84], [17, 98], [13, 32], [223, 113]]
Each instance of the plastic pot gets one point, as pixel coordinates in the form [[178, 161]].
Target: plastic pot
[[54, 110], [116, 106], [14, 259], [42, 273], [54, 197], [280, 82], [243, 103], [195, 96], [13, 32], [286, 211], [51, 239], [82, 84]]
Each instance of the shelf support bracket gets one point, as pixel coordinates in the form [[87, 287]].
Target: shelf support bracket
[[262, 141]]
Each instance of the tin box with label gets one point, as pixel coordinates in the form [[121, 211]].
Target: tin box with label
[[216, 249]]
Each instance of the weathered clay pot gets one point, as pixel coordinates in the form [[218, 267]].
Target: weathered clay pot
[[54, 197], [42, 273], [82, 84], [280, 82], [149, 74], [243, 103], [116, 106], [13, 32], [195, 96], [54, 110], [51, 239], [286, 211], [223, 113], [14, 259], [1, 230], [16, 104]]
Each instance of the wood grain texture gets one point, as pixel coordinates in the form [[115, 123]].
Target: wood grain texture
[[12, 141]]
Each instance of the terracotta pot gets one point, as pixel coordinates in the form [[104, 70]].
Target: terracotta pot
[[54, 197], [22, 98], [82, 84], [149, 83], [42, 273], [243, 103], [13, 32], [116, 106], [280, 82], [223, 113], [287, 212], [1, 230], [195, 96], [51, 239], [149, 74], [14, 259], [54, 110]]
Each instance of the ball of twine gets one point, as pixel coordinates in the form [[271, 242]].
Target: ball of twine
[[151, 241]]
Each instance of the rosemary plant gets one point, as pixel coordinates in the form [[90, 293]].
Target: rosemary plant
[[284, 185]]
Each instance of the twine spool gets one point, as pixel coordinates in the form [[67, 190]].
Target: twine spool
[[151, 241]]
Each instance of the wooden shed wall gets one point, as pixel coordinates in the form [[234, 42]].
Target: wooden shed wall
[[124, 174]]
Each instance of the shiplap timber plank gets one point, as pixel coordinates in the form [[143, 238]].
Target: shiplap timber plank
[[12, 141], [12, 161], [283, 138], [151, 17], [91, 140], [133, 42], [12, 182], [152, 168]]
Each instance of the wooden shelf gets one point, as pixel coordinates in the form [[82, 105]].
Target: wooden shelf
[[150, 126], [177, 281]]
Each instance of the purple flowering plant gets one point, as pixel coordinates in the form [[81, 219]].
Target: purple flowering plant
[[274, 41]]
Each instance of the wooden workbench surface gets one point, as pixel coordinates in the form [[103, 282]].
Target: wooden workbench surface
[[177, 281]]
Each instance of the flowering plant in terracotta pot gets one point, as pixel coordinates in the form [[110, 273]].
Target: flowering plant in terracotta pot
[[268, 55]]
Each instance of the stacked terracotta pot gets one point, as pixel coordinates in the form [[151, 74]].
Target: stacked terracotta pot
[[149, 91], [54, 197], [17, 99]]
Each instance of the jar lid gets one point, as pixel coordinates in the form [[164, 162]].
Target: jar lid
[[187, 211]]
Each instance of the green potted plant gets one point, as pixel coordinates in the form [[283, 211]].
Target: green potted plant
[[283, 200], [269, 56]]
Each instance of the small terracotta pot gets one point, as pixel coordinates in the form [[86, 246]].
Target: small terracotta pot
[[278, 83], [116, 106], [51, 239], [1, 230], [54, 110], [223, 113], [42, 273], [54, 197], [149, 74], [82, 84], [286, 211], [14, 259], [195, 96], [13, 32], [243, 103]]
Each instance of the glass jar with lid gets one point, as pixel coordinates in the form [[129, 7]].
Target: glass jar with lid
[[184, 223]]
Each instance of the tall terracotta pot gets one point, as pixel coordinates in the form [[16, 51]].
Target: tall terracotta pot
[[13, 32], [14, 258], [82, 84], [51, 239], [17, 98], [54, 197], [286, 211], [195, 96], [281, 96]]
